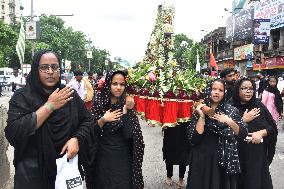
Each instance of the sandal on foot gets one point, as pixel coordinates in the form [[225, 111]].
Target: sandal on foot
[[181, 185], [169, 182]]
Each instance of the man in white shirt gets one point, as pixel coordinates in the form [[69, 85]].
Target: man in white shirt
[[78, 85], [16, 81]]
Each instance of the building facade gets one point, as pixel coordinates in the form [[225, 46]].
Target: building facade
[[10, 10], [222, 50], [253, 39]]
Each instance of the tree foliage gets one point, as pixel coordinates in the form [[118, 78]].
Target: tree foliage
[[8, 38], [186, 51], [68, 43]]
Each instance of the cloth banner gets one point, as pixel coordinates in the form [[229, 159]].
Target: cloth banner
[[165, 112], [20, 47]]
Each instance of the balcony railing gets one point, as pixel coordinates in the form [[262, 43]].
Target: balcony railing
[[12, 14], [227, 54]]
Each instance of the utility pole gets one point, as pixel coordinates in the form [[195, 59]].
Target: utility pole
[[89, 54], [89, 58], [32, 18]]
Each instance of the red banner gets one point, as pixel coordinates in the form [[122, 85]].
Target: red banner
[[259, 66]]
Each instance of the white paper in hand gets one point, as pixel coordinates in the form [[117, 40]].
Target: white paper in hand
[[68, 175]]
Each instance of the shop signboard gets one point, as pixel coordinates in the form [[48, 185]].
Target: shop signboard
[[270, 9], [32, 30], [261, 31], [243, 24], [270, 62], [278, 21], [229, 64], [280, 62], [259, 66], [275, 62], [243, 52]]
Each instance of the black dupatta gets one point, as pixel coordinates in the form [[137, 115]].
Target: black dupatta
[[227, 142], [102, 103], [270, 124]]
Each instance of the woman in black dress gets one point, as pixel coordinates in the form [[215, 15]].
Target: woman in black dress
[[214, 161], [120, 150], [45, 120], [256, 154]]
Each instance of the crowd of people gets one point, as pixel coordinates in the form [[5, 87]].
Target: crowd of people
[[229, 142]]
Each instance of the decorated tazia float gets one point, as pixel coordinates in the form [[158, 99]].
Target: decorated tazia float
[[164, 94]]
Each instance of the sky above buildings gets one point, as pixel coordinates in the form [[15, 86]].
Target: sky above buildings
[[123, 27]]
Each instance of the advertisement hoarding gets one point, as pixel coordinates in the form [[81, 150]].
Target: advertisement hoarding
[[243, 52], [32, 30], [230, 28], [243, 25], [273, 10], [261, 31]]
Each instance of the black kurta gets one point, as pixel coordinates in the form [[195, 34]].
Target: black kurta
[[30, 143], [205, 171], [255, 166], [114, 158], [256, 158], [175, 146], [119, 134], [36, 150]]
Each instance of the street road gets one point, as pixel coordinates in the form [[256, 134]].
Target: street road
[[154, 166]]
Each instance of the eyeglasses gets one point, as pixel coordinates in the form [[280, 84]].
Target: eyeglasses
[[45, 67], [247, 90]]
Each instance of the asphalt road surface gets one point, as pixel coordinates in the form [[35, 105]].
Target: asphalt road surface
[[154, 170]]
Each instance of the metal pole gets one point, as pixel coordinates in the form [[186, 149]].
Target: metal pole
[[260, 58], [89, 64], [211, 51], [32, 18], [89, 58]]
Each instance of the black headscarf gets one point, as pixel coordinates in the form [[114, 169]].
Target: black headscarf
[[236, 94], [33, 80], [265, 119], [227, 143], [278, 98], [102, 103], [71, 120]]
